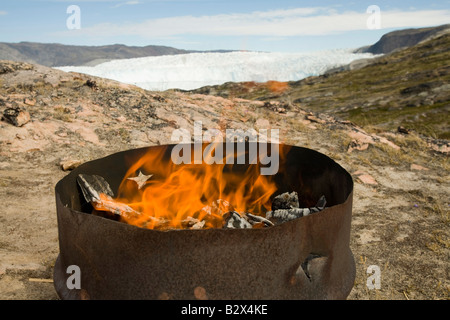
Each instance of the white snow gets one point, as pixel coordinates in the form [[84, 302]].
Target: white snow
[[195, 70]]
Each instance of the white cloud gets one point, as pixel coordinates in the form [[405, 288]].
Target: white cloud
[[2, 13], [275, 23], [127, 3]]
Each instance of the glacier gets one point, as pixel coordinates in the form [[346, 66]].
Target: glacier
[[195, 70]]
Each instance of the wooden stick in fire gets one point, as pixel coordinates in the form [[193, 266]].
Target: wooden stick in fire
[[285, 207], [97, 191], [233, 220]]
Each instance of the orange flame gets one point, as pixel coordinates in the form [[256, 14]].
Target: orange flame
[[177, 195]]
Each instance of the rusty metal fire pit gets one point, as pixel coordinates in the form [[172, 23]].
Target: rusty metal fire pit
[[305, 258]]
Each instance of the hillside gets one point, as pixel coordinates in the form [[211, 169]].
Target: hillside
[[408, 88], [404, 39], [55, 55]]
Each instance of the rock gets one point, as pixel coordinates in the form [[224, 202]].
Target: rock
[[67, 165], [121, 119], [423, 94], [345, 122], [20, 136], [262, 124], [361, 137], [417, 89], [16, 116], [91, 84], [367, 179], [357, 145], [360, 63], [418, 167], [439, 145], [443, 88], [4, 165], [314, 119], [11, 66], [364, 177], [276, 106], [403, 130], [30, 102]]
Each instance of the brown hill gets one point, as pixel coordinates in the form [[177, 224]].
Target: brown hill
[[404, 39], [57, 55]]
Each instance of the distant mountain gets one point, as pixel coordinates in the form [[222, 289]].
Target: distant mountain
[[403, 38], [57, 55]]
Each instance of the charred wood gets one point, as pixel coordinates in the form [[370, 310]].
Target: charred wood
[[282, 215], [233, 220], [258, 221], [219, 214], [97, 191], [285, 201], [92, 186]]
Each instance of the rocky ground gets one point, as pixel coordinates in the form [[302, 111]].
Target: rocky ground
[[401, 205]]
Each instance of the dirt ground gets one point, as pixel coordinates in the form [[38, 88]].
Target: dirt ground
[[401, 196]]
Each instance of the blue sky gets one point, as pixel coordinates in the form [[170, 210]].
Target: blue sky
[[277, 26]]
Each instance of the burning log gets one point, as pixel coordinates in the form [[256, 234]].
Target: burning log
[[258, 221], [214, 213], [198, 225], [233, 220], [217, 208], [282, 210], [97, 191], [99, 194], [192, 223], [93, 186], [219, 214], [285, 201], [156, 223]]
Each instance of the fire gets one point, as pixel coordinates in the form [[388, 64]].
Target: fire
[[175, 196]]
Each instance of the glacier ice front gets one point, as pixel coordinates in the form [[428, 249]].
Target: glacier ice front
[[195, 70]]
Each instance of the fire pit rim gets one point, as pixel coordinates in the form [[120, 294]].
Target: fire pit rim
[[87, 164]]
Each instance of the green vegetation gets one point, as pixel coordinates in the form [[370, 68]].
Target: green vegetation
[[409, 88]]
